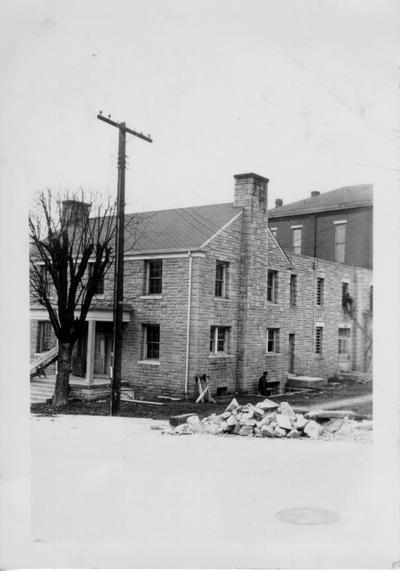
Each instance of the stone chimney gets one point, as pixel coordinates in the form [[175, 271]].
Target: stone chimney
[[315, 193], [74, 211], [251, 191], [278, 202], [251, 195]]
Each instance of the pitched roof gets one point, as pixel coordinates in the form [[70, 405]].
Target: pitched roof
[[338, 199], [176, 229], [274, 246]]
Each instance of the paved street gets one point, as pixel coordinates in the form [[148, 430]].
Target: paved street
[[111, 492]]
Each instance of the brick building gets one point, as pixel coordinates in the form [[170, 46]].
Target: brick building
[[335, 225], [210, 290]]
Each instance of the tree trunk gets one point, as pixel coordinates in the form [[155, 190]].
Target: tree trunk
[[61, 390]]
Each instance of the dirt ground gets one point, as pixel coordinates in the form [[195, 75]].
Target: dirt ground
[[336, 390]]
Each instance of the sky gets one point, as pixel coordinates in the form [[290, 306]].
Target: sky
[[303, 92]]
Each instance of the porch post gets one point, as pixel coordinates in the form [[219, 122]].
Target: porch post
[[90, 351]]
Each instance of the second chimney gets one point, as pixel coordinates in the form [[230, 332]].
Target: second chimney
[[75, 211], [278, 202], [315, 193]]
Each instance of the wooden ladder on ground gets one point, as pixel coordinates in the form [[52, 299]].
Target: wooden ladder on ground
[[42, 361]]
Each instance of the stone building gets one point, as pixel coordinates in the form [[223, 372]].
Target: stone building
[[209, 290]]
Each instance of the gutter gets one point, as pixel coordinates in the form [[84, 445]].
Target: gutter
[[188, 323]]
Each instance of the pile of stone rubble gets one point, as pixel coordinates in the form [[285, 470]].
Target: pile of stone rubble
[[271, 420]]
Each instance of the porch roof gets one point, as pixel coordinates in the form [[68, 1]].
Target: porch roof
[[98, 312]]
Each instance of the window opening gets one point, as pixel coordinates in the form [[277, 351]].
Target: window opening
[[45, 337], [320, 291], [272, 340], [318, 339], [293, 290], [99, 289], [344, 334], [152, 342], [219, 339], [272, 286], [154, 277], [221, 279], [296, 240], [340, 242]]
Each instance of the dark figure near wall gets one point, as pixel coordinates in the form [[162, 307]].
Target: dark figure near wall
[[262, 384]]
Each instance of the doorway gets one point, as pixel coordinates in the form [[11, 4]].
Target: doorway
[[102, 349], [291, 365]]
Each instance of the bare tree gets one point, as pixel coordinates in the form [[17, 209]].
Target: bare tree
[[67, 236]]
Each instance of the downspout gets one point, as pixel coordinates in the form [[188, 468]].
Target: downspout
[[315, 267], [354, 318], [188, 323]]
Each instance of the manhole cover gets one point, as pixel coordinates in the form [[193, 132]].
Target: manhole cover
[[308, 516]]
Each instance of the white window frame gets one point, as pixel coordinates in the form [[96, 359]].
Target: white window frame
[[149, 264], [296, 242], [274, 231], [145, 357], [273, 335], [339, 245], [344, 340], [215, 330]]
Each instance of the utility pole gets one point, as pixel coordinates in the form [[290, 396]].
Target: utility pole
[[119, 261]]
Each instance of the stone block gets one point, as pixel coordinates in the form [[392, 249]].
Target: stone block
[[215, 428], [286, 409], [237, 428], [293, 434], [267, 404], [232, 421], [258, 413], [300, 421], [280, 432], [264, 421], [333, 425], [283, 421], [246, 430], [312, 429], [268, 431]]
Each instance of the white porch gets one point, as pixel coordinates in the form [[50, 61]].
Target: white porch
[[92, 355]]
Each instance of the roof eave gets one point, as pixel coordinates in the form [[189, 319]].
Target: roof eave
[[300, 211]]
